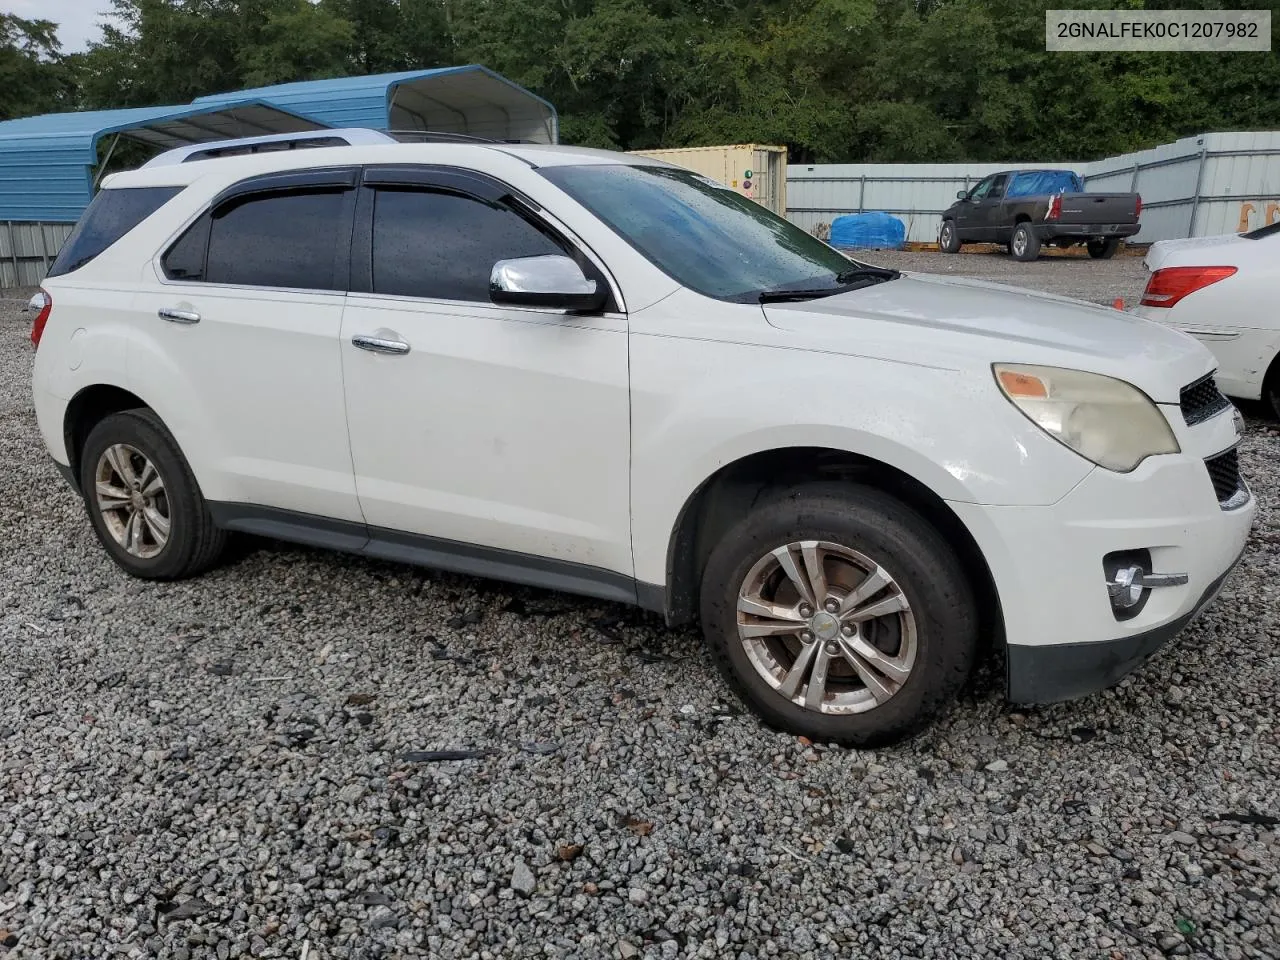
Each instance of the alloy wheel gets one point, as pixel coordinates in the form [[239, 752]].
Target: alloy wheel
[[131, 498], [827, 627]]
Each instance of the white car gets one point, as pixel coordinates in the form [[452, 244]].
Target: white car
[[599, 373], [1223, 291]]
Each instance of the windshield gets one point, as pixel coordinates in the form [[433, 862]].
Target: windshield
[[708, 237], [1270, 230]]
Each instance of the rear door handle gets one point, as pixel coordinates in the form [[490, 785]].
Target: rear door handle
[[178, 316], [380, 344]]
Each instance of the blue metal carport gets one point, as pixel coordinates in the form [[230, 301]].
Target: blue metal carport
[[468, 100]]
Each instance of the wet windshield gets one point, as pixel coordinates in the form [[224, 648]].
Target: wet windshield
[[709, 237]]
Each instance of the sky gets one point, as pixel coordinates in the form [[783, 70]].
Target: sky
[[77, 19]]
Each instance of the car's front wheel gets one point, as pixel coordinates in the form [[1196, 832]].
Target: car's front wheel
[[143, 500], [1103, 249], [948, 239], [838, 613]]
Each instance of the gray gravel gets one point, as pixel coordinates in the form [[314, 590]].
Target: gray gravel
[[241, 765], [1066, 274]]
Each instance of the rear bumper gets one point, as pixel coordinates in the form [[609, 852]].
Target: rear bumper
[[1085, 231], [1070, 670]]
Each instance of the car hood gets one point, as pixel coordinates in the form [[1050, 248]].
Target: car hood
[[952, 322], [1162, 251]]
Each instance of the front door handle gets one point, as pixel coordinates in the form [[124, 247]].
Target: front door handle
[[380, 344], [178, 316]]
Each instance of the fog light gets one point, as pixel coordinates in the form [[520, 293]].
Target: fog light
[[1130, 581]]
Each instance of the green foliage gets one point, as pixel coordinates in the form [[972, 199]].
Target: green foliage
[[835, 80], [34, 75]]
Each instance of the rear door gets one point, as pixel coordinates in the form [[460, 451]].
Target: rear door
[[246, 318], [474, 425]]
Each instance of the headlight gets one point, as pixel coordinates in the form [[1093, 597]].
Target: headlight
[[1105, 420]]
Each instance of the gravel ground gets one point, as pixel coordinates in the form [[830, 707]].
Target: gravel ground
[[1066, 275], [236, 766]]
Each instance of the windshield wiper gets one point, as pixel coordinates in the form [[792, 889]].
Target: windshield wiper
[[844, 281]]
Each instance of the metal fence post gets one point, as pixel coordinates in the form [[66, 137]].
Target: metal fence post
[[44, 250], [862, 192], [13, 254], [1195, 197]]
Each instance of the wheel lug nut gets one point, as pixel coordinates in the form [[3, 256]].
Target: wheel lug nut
[[806, 610], [831, 606], [806, 636], [847, 630], [833, 648]]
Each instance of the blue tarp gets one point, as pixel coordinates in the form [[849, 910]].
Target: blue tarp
[[1036, 183], [880, 231]]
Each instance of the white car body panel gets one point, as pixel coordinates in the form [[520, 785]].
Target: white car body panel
[[582, 439], [1236, 318], [506, 428]]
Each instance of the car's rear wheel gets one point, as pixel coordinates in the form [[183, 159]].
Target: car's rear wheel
[[1024, 245], [838, 613], [948, 239], [143, 500], [1103, 249]]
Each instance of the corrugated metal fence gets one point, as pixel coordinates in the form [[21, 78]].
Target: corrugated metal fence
[[27, 249], [1198, 186]]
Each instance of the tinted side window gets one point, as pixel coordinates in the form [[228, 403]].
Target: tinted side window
[[982, 189], [185, 259], [444, 246], [279, 240], [111, 215], [997, 186]]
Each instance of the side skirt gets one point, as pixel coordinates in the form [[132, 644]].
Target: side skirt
[[450, 555]]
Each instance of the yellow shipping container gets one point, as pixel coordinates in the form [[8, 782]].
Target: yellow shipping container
[[754, 170]]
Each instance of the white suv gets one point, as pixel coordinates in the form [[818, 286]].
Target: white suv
[[598, 373]]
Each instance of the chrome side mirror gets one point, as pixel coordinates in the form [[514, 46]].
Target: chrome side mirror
[[547, 281]]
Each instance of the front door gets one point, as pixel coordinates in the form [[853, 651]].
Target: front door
[[987, 211], [471, 424]]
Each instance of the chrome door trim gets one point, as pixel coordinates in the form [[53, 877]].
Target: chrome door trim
[[178, 316], [380, 344]]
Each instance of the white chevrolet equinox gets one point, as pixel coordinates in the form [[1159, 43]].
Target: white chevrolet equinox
[[597, 373]]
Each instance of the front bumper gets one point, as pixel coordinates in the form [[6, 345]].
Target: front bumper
[[1051, 674], [1063, 638]]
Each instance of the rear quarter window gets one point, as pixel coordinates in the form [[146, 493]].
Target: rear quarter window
[[111, 215]]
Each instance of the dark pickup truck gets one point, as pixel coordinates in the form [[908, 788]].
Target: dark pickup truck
[[1025, 209]]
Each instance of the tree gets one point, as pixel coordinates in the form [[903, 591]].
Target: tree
[[33, 73], [834, 80]]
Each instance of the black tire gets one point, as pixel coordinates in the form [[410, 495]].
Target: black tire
[[193, 544], [1024, 244], [948, 238], [1103, 249], [1271, 388], [888, 533]]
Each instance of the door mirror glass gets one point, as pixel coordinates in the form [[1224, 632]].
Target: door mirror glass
[[962, 194], [545, 281]]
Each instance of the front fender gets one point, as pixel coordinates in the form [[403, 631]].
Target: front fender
[[954, 435]]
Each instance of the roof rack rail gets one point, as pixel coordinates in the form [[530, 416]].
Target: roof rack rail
[[441, 136], [325, 137]]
